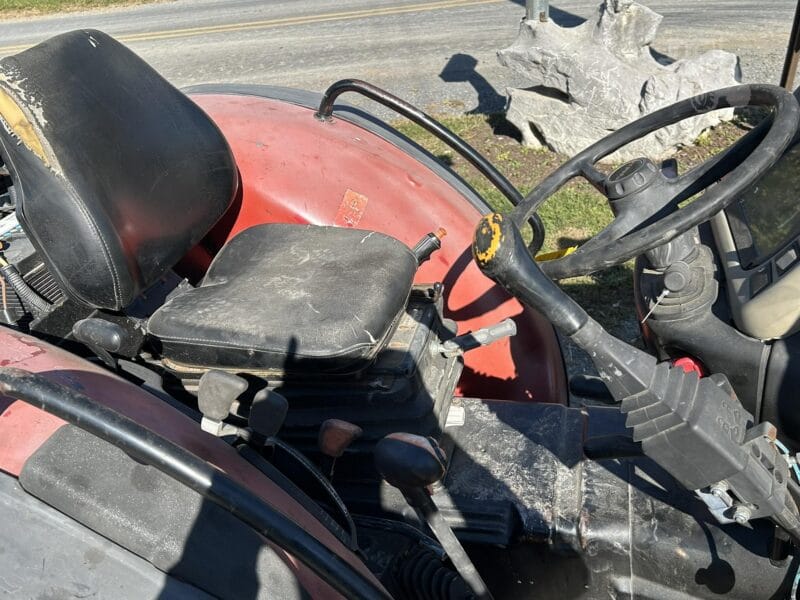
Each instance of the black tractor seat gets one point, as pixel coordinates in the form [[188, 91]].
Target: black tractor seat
[[290, 298], [118, 175]]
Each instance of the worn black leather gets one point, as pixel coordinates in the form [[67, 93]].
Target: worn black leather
[[133, 173], [291, 298]]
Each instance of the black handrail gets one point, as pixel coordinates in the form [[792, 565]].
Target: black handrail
[[424, 120]]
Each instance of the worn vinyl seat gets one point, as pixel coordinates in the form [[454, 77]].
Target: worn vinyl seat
[[305, 296], [118, 175]]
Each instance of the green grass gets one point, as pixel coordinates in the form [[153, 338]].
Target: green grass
[[572, 215], [575, 212], [22, 7]]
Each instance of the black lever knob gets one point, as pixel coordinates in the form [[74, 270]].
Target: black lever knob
[[101, 337], [409, 462], [217, 392], [267, 413]]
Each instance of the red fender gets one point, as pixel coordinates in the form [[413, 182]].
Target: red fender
[[297, 169]]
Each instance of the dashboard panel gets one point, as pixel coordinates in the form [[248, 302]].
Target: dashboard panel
[[758, 241]]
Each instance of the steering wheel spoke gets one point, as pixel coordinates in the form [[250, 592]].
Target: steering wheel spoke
[[614, 231], [591, 174], [697, 179]]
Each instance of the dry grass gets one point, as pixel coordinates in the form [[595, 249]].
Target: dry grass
[[28, 8]]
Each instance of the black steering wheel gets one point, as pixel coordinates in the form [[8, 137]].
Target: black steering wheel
[[644, 200], [502, 255]]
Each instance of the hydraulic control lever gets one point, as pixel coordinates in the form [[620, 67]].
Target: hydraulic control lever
[[217, 396], [106, 338], [335, 436], [696, 429], [101, 337], [475, 339], [267, 413], [413, 463]]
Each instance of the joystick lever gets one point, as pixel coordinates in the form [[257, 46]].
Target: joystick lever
[[412, 463], [335, 436], [216, 393]]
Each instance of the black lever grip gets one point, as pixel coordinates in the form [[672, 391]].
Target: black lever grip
[[501, 254]]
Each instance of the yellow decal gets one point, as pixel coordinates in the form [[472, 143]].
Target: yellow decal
[[20, 126], [489, 227], [557, 254]]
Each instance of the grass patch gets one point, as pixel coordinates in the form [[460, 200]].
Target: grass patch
[[573, 214], [39, 7]]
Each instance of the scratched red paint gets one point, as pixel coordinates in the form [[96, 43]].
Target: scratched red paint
[[351, 209], [24, 429]]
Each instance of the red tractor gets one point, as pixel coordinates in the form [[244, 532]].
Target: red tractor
[[256, 343]]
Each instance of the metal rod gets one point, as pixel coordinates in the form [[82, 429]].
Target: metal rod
[[419, 499], [792, 53], [537, 9]]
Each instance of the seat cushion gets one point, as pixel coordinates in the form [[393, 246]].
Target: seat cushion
[[290, 298]]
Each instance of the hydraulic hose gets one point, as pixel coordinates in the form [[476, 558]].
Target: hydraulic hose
[[26, 294], [149, 448]]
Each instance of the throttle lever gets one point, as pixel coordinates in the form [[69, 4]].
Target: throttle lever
[[475, 339]]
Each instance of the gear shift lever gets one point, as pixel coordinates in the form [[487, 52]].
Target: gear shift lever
[[412, 463], [335, 436]]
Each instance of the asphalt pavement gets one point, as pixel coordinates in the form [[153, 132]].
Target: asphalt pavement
[[440, 54]]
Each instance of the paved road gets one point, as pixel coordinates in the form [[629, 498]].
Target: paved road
[[438, 53]]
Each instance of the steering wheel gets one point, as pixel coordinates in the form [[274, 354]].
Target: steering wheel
[[644, 200], [697, 409]]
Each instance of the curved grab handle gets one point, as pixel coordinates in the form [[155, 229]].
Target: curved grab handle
[[424, 120]]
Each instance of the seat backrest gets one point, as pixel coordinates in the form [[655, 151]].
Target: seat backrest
[[117, 173]]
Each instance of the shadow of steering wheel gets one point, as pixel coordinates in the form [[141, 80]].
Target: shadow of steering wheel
[[492, 298]]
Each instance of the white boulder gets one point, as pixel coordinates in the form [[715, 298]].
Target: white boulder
[[590, 80]]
